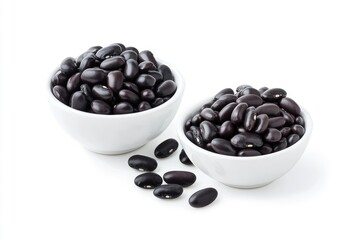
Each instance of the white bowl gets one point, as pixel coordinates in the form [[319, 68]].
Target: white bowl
[[117, 134], [244, 172]]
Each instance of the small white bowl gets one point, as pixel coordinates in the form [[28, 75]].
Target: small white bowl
[[117, 134], [243, 172]]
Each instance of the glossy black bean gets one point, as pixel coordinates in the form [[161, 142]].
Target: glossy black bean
[[285, 131], [169, 191], [157, 102], [115, 80], [223, 146], [273, 94], [277, 122], [249, 118], [93, 75], [61, 94], [147, 95], [148, 180], [59, 79], [102, 92], [131, 86], [122, 46], [133, 49], [272, 135], [113, 63], [129, 96], [227, 130], [298, 129], [196, 119], [146, 55], [94, 49], [197, 137], [270, 109], [263, 89], [188, 124], [123, 108], [265, 149], [183, 157], [73, 83], [249, 90], [166, 72], [290, 106], [289, 118], [145, 81], [131, 69], [226, 112], [100, 107], [68, 66], [166, 88], [129, 54], [109, 51], [78, 101], [206, 105], [142, 163], [246, 140], [86, 89], [300, 120], [82, 56], [145, 66], [209, 147], [281, 145], [292, 139], [242, 87], [262, 123], [248, 153], [208, 131], [238, 114], [143, 106], [156, 74], [203, 197], [251, 100], [223, 92], [190, 136], [209, 114], [166, 148], [87, 62], [183, 178]]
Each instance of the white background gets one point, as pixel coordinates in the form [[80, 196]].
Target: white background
[[52, 188]]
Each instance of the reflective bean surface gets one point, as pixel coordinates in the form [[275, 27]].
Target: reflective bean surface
[[166, 148], [169, 191], [203, 197], [142, 163], [183, 178], [148, 180]]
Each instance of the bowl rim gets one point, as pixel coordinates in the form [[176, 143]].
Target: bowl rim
[[178, 94], [185, 115]]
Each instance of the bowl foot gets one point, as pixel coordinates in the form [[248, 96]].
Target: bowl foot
[[248, 186], [115, 152]]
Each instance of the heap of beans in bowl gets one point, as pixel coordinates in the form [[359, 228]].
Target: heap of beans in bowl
[[113, 80], [248, 122]]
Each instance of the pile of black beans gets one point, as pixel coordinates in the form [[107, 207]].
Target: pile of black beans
[[248, 122], [176, 180], [113, 80]]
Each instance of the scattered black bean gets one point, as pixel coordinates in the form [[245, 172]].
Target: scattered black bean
[[169, 191], [184, 158], [203, 197], [166, 148], [148, 180], [183, 178], [142, 163]]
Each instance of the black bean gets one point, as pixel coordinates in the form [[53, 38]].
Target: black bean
[[59, 78], [132, 87], [102, 92], [227, 130], [298, 129], [209, 147], [196, 119], [148, 180], [277, 122], [190, 136], [266, 149], [206, 105], [166, 148], [281, 145], [146, 55], [145, 66], [300, 120], [272, 135], [78, 101], [131, 69], [157, 102], [169, 191], [87, 62], [248, 153], [285, 131], [183, 178], [197, 137], [261, 123], [166, 72], [290, 106], [249, 118], [188, 124], [246, 140], [143, 106], [289, 118], [142, 163], [61, 94], [249, 90], [113, 63], [242, 87], [156, 74], [209, 114], [122, 46], [238, 114], [223, 146], [292, 139], [123, 108], [184, 158], [73, 83], [82, 56], [93, 75], [203, 197], [109, 51], [129, 54], [269, 109], [100, 107], [226, 112], [263, 89], [147, 95], [145, 81], [68, 66], [273, 94], [223, 92], [86, 89], [133, 49], [208, 131], [166, 88], [129, 96], [115, 80], [94, 49], [251, 100]]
